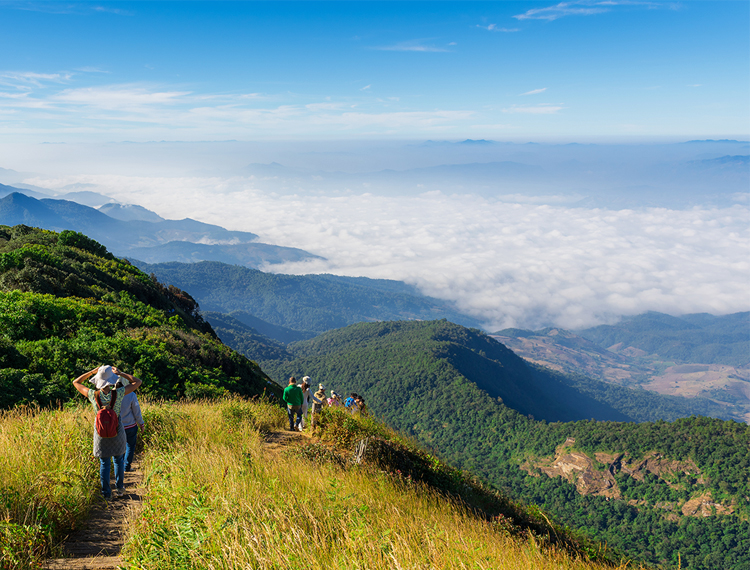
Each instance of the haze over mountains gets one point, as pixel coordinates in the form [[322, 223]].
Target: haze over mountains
[[133, 231], [515, 235]]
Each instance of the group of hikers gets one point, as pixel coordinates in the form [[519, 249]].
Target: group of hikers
[[118, 416], [300, 400]]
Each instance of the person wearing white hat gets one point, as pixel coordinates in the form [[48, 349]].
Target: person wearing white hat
[[318, 406], [108, 449], [307, 399]]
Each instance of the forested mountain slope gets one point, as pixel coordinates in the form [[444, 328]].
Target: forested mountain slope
[[655, 490], [400, 360], [302, 302], [68, 305]]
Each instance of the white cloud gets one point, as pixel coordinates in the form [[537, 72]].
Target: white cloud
[[505, 262], [27, 79], [119, 96], [494, 28], [534, 110], [154, 112], [585, 8], [366, 87], [535, 91]]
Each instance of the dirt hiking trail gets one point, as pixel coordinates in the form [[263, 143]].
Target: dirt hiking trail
[[96, 545]]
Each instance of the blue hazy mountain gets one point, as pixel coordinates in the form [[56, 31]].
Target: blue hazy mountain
[[153, 241]]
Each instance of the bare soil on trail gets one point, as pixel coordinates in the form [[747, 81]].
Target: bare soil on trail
[[97, 544], [275, 441]]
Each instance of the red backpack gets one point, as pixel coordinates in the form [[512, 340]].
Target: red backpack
[[106, 418]]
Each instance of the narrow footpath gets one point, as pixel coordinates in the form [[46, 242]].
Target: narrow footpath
[[97, 544]]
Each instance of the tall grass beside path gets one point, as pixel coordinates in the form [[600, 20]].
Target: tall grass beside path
[[48, 480], [217, 499]]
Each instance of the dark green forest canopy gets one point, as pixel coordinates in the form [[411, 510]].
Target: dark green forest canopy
[[67, 305], [419, 378], [302, 302]]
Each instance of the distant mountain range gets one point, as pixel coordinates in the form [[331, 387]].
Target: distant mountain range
[[697, 355], [133, 231]]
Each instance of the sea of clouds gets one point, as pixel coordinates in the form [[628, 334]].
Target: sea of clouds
[[507, 262]]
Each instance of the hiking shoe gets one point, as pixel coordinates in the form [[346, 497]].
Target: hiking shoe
[[117, 493]]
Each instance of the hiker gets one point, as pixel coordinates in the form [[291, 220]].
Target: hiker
[[307, 399], [293, 398], [351, 403], [318, 406], [131, 418], [335, 400], [361, 405], [107, 399]]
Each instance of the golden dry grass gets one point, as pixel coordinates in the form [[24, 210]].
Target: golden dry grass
[[216, 499], [48, 479]]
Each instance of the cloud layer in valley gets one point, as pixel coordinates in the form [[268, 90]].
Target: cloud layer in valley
[[507, 263]]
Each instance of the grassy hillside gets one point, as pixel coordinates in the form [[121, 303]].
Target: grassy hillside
[[655, 490], [216, 496], [302, 302], [67, 305]]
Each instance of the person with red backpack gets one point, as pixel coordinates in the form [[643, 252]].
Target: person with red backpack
[[109, 434]]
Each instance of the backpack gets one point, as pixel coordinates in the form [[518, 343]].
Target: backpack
[[106, 418]]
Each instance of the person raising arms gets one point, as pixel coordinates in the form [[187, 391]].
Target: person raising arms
[[106, 397]]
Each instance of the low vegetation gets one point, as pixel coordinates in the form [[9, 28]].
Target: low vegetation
[[67, 305], [216, 497], [48, 480]]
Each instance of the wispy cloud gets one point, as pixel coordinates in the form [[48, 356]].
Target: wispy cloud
[[154, 110], [27, 79], [366, 88], [534, 110], [65, 8], [91, 70], [585, 8], [535, 91], [119, 96], [494, 28]]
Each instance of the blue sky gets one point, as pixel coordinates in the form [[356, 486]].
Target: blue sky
[[577, 70]]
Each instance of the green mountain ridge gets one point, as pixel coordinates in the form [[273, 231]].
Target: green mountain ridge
[[302, 302], [67, 305], [629, 484]]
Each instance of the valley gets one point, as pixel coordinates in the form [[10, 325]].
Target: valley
[[595, 456]]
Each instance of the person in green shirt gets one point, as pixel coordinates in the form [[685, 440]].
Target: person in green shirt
[[293, 398]]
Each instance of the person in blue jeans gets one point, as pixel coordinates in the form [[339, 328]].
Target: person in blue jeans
[[130, 415], [108, 449]]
